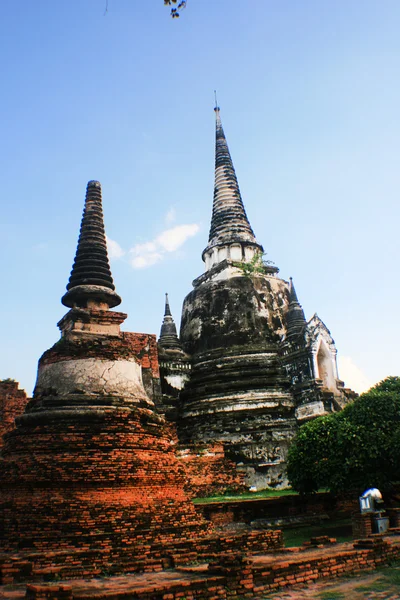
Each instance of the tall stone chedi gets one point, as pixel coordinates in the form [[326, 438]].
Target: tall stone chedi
[[255, 372], [90, 468]]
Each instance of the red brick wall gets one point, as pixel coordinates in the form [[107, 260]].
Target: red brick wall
[[144, 346], [85, 479], [362, 525], [64, 564], [208, 471], [12, 404], [278, 507]]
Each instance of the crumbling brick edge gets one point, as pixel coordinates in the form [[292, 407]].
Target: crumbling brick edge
[[230, 576]]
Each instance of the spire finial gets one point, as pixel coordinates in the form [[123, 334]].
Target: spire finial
[[216, 102], [292, 292], [168, 335], [229, 222], [91, 279], [295, 319], [167, 308]]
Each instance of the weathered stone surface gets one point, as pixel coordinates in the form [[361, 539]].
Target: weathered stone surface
[[240, 311], [238, 391]]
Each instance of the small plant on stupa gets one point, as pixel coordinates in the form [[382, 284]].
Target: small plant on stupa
[[255, 266]]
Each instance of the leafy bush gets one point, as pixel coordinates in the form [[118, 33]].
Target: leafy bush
[[351, 450]]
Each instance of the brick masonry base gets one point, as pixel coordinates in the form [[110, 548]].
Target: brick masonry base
[[35, 566], [229, 575]]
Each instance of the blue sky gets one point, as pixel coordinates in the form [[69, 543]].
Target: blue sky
[[309, 94]]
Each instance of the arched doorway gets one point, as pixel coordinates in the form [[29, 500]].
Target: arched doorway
[[325, 367]]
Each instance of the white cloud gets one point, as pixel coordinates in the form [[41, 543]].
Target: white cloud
[[114, 249], [149, 253], [145, 260], [172, 239], [352, 375], [145, 248], [146, 254]]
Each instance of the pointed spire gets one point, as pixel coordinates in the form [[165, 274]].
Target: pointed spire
[[167, 308], [229, 222], [292, 292], [91, 278], [295, 319], [168, 335]]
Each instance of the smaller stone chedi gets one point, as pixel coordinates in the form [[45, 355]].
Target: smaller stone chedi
[[258, 368], [174, 364], [88, 478]]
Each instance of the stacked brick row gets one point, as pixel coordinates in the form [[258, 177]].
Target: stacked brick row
[[362, 524], [306, 571], [139, 557], [235, 576]]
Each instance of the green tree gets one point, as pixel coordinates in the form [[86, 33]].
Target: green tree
[[351, 450], [176, 7]]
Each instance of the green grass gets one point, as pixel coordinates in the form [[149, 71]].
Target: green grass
[[389, 576], [331, 595], [375, 586], [341, 530], [247, 496]]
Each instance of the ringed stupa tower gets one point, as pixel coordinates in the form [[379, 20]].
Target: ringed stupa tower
[[90, 471], [174, 364], [232, 323], [255, 368]]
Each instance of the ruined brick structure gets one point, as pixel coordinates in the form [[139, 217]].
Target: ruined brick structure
[[90, 474], [12, 404], [257, 367], [144, 348], [208, 470]]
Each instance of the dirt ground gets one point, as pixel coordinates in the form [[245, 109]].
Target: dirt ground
[[383, 585]]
